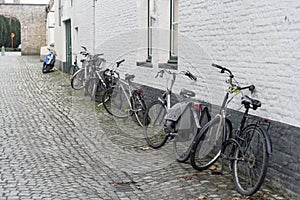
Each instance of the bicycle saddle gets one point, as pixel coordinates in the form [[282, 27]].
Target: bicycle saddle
[[129, 77], [247, 101], [187, 93]]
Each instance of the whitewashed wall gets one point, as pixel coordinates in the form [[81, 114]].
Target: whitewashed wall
[[258, 40]]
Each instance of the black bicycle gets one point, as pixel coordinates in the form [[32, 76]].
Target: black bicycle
[[247, 149]]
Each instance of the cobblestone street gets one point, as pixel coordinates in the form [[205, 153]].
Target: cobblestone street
[[56, 143]]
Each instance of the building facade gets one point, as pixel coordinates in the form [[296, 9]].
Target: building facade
[[32, 24], [257, 40]]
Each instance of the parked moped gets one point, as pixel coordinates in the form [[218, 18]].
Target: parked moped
[[48, 65]]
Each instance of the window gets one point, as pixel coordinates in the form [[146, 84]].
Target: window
[[59, 12], [151, 21], [173, 31], [166, 21]]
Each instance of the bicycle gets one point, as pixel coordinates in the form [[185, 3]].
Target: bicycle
[[74, 68], [178, 123], [247, 149], [79, 78], [97, 78], [122, 100]]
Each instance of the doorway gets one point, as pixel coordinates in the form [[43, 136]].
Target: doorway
[[68, 46]]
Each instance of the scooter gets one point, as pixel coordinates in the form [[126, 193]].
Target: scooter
[[49, 62]]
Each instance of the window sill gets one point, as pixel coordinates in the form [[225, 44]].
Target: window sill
[[144, 64]]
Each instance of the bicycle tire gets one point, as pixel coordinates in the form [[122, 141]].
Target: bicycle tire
[[182, 146], [205, 151], [91, 87], [73, 70], [114, 102], [154, 120], [77, 81], [250, 159], [183, 140]]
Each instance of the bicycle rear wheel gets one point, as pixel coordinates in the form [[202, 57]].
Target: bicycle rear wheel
[[77, 81], [154, 120], [208, 143], [182, 145], [115, 102], [250, 161]]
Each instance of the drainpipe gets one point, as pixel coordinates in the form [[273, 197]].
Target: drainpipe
[[94, 26]]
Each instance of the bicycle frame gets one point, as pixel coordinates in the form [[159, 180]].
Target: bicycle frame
[[233, 89], [121, 85], [166, 97]]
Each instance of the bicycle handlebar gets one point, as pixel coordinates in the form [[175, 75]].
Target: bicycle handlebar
[[250, 87], [85, 49], [186, 73], [231, 76], [84, 53], [190, 75], [99, 54], [119, 62], [223, 69]]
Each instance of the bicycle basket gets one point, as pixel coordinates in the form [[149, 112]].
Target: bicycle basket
[[97, 60]]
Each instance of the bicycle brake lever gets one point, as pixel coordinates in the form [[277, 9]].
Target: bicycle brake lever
[[160, 74], [252, 89], [190, 75]]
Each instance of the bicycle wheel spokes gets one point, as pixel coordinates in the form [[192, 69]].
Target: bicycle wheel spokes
[[182, 144], [77, 81], [139, 108], [207, 147], [91, 87], [117, 105], [154, 120], [250, 161]]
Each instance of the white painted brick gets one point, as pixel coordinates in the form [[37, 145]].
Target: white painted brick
[[258, 40]]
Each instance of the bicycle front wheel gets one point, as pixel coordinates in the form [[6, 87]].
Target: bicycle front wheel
[[77, 81], [154, 120], [91, 87], [208, 143], [250, 160], [116, 103]]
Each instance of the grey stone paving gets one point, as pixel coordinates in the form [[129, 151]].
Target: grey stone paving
[[57, 144]]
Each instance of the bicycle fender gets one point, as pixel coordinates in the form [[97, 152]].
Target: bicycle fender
[[268, 140]]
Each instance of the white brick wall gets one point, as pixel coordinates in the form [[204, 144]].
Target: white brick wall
[[257, 40]]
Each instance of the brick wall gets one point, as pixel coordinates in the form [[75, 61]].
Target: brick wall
[[258, 40], [33, 25]]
